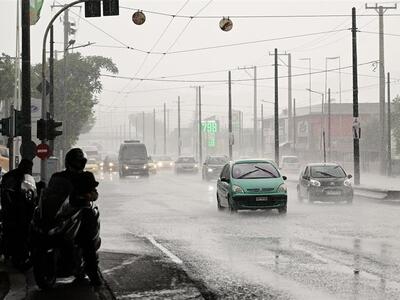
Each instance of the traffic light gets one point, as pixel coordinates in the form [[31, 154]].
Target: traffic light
[[52, 131], [19, 122], [41, 129], [92, 9], [110, 7], [5, 126]]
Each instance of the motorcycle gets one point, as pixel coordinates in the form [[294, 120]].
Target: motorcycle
[[55, 252], [16, 214]]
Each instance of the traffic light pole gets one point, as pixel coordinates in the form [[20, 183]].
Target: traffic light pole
[[26, 103], [26, 74]]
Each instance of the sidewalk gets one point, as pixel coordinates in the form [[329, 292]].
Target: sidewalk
[[147, 273]]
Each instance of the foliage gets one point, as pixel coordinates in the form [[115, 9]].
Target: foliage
[[82, 85], [6, 77]]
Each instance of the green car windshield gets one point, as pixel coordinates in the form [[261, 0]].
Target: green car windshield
[[254, 170]]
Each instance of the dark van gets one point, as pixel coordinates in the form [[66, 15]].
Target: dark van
[[133, 159]]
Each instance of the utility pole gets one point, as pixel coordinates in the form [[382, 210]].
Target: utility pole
[[276, 111], [179, 127], [309, 80], [290, 121], [26, 78], [200, 137], [51, 81], [262, 130], [154, 132], [66, 44], [356, 141], [329, 125], [165, 129], [230, 115], [382, 150], [389, 145], [143, 125], [196, 124], [294, 125], [255, 111]]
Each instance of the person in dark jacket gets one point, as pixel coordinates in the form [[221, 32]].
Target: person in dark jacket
[[17, 213], [74, 183]]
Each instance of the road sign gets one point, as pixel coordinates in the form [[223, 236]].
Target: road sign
[[43, 151], [39, 87], [28, 150]]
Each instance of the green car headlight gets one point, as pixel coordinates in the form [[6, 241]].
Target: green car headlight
[[282, 188], [237, 189]]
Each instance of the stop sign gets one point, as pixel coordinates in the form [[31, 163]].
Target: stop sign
[[43, 151]]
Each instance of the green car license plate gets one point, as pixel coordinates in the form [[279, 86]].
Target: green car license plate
[[261, 198]]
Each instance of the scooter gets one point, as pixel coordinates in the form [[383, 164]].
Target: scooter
[[55, 253]]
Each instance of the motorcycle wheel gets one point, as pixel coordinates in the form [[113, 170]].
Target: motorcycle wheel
[[44, 269]]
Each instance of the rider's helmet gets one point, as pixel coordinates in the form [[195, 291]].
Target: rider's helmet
[[75, 159]]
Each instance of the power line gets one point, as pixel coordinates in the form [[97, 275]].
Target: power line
[[252, 16], [224, 80]]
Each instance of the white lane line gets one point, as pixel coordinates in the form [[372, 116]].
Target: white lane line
[[172, 256]]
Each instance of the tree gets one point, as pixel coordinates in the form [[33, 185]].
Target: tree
[[6, 77], [395, 115], [82, 86]]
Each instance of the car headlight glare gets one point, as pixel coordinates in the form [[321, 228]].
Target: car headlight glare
[[101, 164], [237, 189], [195, 165], [126, 167], [347, 182], [145, 167], [209, 170], [159, 164], [111, 165], [315, 182], [171, 164], [282, 188]]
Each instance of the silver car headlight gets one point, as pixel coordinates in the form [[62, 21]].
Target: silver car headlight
[[145, 167], [282, 188], [209, 170], [126, 167], [237, 189], [315, 182], [347, 182], [111, 165]]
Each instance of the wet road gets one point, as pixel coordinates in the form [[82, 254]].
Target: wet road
[[316, 251]]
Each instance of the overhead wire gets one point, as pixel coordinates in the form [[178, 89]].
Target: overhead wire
[[224, 80]]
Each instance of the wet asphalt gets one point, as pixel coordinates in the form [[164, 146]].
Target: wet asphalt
[[316, 251]]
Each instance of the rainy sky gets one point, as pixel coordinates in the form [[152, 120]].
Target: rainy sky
[[178, 71]]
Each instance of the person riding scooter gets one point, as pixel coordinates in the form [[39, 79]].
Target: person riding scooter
[[18, 199], [69, 184]]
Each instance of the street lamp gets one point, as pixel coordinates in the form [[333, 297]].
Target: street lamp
[[340, 76], [309, 78], [322, 120]]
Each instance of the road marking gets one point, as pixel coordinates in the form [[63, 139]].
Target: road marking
[[172, 256]]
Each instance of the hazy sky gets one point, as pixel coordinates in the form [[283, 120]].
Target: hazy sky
[[183, 34]]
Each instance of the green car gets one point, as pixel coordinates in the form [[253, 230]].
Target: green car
[[251, 184]]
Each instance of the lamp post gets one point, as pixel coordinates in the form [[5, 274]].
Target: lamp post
[[340, 76], [309, 78], [322, 121]]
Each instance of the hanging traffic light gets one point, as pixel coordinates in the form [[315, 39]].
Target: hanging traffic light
[[110, 7], [5, 126], [52, 131], [92, 9]]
